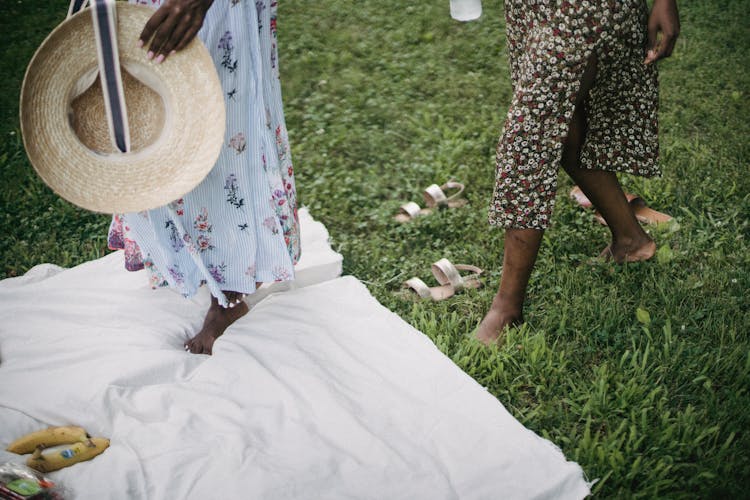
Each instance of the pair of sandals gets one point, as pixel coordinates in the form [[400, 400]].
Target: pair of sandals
[[642, 212], [447, 275], [436, 199]]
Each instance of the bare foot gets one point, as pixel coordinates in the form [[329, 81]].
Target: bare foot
[[217, 320], [497, 320], [630, 250]]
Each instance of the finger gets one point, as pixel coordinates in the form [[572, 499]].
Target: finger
[[653, 35], [671, 42], [188, 37], [651, 56], [175, 37], [162, 35], [656, 51], [151, 25], [665, 47]]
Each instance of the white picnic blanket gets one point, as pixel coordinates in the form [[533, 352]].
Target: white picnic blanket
[[319, 392]]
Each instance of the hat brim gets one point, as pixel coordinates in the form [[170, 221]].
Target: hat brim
[[185, 151]]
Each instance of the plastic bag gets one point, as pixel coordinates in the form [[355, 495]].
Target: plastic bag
[[19, 482]]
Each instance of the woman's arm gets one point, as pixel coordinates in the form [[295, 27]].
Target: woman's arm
[[664, 20], [173, 26]]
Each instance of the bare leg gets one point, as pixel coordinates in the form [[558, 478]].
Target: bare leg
[[629, 241], [217, 320], [521, 249]]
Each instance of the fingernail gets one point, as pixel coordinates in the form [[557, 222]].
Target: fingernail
[[150, 55], [173, 53], [139, 43], [159, 58]]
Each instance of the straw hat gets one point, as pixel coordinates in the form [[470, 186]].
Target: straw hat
[[175, 110]]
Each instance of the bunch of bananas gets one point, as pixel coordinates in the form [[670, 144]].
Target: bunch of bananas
[[47, 453]]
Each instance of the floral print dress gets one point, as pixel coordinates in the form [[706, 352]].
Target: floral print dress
[[240, 225], [550, 43]]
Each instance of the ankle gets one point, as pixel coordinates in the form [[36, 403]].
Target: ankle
[[508, 303], [494, 324], [631, 240]]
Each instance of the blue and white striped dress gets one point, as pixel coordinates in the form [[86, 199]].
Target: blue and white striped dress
[[239, 227]]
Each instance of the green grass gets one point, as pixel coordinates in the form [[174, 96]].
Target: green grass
[[385, 97]]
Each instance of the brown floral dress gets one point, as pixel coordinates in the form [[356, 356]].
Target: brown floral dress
[[550, 44]]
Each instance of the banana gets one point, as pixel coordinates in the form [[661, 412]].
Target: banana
[[54, 459], [46, 438]]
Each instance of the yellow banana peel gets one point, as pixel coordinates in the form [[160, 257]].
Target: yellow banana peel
[[57, 458], [52, 436]]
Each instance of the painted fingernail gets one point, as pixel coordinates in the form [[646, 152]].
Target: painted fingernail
[[159, 58], [150, 55], [139, 43]]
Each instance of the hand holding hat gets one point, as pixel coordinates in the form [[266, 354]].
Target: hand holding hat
[[173, 26], [175, 112]]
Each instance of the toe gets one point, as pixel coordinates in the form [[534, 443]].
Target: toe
[[233, 298]]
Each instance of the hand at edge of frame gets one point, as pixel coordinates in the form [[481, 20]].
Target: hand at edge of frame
[[663, 30], [172, 27]]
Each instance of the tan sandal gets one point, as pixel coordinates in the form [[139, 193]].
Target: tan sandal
[[410, 211], [450, 280], [577, 194], [642, 212], [434, 198]]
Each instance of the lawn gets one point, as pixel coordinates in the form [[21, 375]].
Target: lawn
[[641, 372]]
